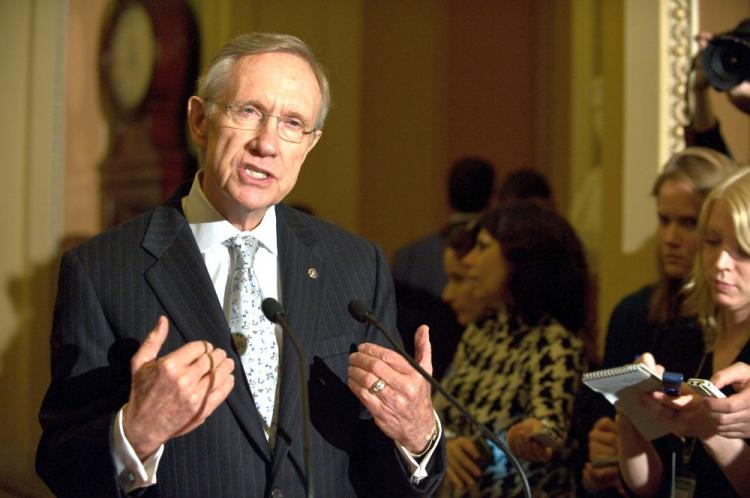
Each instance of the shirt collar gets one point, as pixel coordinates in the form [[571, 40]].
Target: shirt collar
[[211, 229]]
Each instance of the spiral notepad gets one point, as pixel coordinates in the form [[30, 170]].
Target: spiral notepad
[[623, 386]]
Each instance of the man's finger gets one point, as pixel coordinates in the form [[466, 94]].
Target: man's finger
[[423, 348], [365, 369], [210, 402], [371, 353], [204, 366], [151, 345]]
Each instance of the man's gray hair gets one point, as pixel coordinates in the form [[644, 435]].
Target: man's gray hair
[[216, 78]]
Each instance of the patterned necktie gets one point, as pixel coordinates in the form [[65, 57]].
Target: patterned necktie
[[254, 335]]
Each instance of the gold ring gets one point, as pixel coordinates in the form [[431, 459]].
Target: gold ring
[[377, 386]]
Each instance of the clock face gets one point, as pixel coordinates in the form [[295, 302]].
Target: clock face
[[133, 52]]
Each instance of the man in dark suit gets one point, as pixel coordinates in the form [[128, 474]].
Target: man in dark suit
[[167, 410]]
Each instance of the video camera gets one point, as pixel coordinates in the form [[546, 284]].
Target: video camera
[[726, 59]]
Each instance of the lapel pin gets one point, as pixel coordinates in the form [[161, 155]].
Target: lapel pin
[[312, 273]]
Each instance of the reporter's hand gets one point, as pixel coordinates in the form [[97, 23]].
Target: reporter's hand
[[173, 395], [523, 446], [732, 414], [597, 479], [649, 360], [463, 457], [686, 414], [602, 445], [603, 439]]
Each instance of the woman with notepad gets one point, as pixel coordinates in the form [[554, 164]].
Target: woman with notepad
[[700, 461], [643, 316]]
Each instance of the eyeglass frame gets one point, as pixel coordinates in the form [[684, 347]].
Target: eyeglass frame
[[264, 117]]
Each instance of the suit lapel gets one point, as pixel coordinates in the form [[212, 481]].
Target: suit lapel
[[302, 279], [182, 285]]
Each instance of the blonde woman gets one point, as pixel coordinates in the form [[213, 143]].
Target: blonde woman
[[637, 321], [702, 459]]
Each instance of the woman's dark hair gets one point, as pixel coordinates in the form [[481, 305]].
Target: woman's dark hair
[[461, 237], [547, 271]]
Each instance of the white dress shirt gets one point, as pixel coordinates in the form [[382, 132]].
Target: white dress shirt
[[211, 230]]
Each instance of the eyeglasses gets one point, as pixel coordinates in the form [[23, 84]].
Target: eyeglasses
[[249, 117]]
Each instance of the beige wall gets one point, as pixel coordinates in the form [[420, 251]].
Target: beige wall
[[621, 270], [86, 133], [405, 120], [32, 57]]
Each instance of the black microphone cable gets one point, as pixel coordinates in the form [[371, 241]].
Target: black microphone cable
[[363, 314], [275, 313]]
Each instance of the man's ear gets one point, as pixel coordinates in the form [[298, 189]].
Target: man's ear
[[198, 121], [313, 142], [315, 138]]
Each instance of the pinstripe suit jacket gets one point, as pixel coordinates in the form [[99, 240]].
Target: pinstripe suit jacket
[[112, 290]]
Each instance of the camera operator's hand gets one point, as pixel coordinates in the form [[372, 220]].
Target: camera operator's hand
[[739, 96], [699, 82]]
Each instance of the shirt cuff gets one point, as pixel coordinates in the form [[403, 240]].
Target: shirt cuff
[[418, 470], [131, 473]]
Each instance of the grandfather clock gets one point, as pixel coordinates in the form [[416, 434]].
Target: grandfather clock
[[148, 65]]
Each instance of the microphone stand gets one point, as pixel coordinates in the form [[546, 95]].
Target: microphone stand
[[363, 314], [274, 312]]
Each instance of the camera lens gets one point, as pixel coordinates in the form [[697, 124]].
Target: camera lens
[[726, 61]]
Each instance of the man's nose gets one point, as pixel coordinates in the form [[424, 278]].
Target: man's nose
[[265, 141]]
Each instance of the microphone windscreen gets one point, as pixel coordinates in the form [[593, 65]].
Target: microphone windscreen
[[272, 309], [359, 310]]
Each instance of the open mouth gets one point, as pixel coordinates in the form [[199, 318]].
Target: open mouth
[[254, 173]]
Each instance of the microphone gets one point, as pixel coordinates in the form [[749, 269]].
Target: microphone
[[275, 313], [363, 314]]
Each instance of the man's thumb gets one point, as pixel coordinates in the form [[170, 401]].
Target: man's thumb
[[151, 345], [423, 348]]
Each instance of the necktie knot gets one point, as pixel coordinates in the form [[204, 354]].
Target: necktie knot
[[243, 248]]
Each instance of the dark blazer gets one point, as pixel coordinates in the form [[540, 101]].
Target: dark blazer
[[420, 265], [112, 290]]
